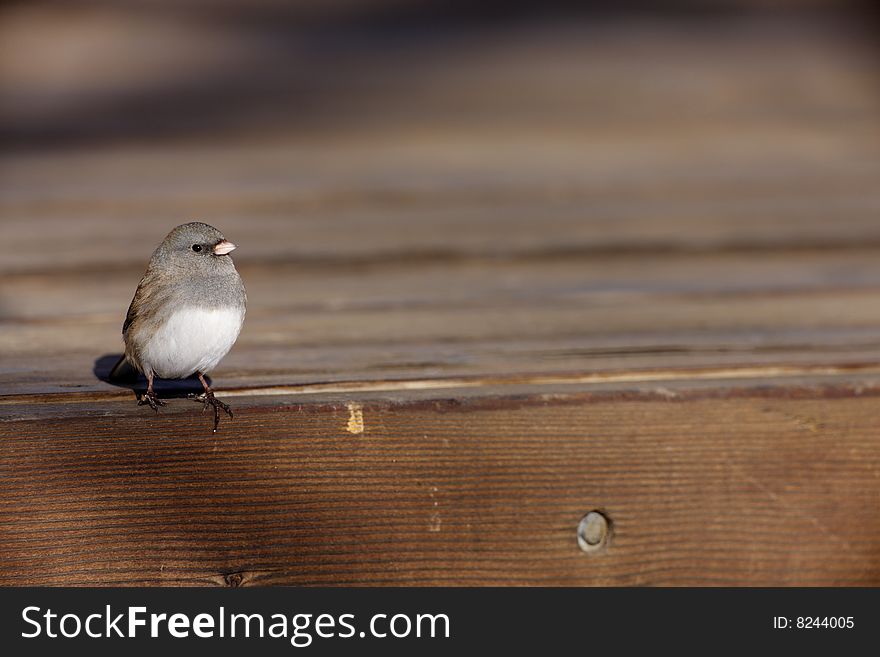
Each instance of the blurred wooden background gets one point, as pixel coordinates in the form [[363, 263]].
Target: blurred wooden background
[[500, 274]]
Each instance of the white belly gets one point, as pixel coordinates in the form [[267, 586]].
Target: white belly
[[192, 340]]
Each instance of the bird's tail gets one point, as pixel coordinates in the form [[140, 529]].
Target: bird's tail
[[123, 371]]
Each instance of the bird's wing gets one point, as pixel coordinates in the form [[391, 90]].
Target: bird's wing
[[149, 294], [130, 315]]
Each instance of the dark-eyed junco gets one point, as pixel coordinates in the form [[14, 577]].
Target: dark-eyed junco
[[186, 313]]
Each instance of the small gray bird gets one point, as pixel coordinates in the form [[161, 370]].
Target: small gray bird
[[186, 313]]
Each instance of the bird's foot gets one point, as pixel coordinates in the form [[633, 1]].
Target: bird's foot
[[152, 399], [208, 399]]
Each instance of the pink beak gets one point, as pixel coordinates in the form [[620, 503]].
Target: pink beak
[[224, 248]]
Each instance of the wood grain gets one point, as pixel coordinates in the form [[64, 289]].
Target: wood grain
[[701, 489], [534, 275]]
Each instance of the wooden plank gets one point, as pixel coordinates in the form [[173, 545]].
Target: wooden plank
[[473, 319], [486, 307], [759, 487]]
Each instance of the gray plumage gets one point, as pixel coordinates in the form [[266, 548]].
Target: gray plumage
[[187, 310]]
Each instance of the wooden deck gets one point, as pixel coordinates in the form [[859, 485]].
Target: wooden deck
[[632, 271]]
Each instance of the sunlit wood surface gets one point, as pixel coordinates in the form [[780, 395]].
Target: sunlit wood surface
[[539, 273]]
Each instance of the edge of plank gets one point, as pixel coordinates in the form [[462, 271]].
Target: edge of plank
[[647, 376]]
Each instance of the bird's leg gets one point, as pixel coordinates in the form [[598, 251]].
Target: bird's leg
[[150, 397], [209, 400]]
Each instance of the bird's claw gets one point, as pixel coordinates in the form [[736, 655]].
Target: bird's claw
[[152, 399], [208, 399]]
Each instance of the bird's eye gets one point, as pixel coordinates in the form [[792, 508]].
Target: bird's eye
[[197, 248]]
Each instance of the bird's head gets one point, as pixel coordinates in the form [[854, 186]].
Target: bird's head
[[195, 246]]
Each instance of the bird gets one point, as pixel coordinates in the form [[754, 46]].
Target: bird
[[186, 314]]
